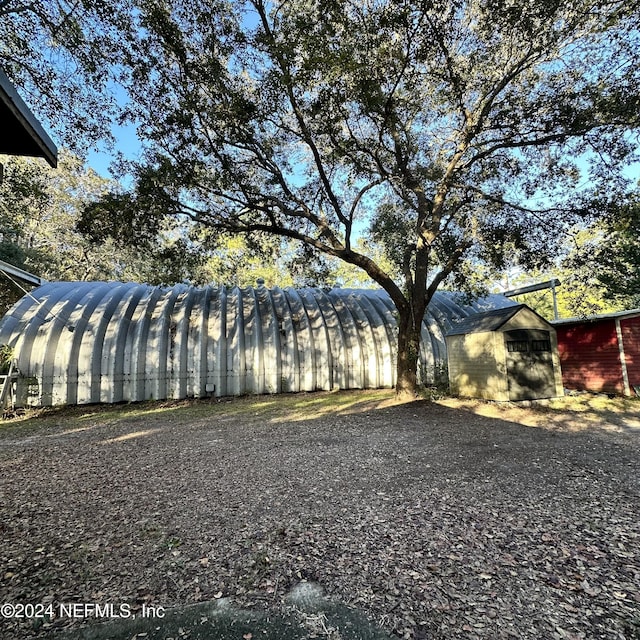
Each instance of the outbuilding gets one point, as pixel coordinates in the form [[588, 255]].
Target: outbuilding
[[601, 353], [86, 342], [504, 354]]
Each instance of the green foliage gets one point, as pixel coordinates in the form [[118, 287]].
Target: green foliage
[[574, 297], [12, 253], [6, 357], [113, 218], [39, 207], [435, 386], [616, 256], [63, 55], [599, 269], [238, 261], [579, 294], [39, 215]]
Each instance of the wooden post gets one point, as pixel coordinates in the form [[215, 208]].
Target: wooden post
[[623, 360]]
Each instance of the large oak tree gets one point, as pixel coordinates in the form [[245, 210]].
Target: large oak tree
[[456, 133]]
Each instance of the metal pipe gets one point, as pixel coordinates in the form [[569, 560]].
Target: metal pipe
[[16, 272], [547, 284]]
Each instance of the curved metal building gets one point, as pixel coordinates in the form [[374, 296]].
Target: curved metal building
[[89, 342]]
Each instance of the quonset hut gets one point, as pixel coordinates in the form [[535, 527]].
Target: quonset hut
[[89, 342]]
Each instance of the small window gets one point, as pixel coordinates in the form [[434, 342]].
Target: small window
[[540, 345], [517, 346]]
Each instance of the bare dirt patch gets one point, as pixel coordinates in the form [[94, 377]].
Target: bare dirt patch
[[432, 519]]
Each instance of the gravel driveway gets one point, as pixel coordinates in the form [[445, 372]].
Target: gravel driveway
[[432, 520]]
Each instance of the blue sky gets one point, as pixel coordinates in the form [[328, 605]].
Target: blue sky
[[127, 143]]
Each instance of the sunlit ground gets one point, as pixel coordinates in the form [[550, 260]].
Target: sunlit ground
[[573, 413], [292, 407]]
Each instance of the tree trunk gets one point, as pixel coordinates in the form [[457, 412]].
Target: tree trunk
[[409, 327]]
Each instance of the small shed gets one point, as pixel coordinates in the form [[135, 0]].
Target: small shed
[[601, 353], [504, 354]]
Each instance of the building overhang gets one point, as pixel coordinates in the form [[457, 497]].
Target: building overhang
[[23, 134], [21, 274], [615, 315]]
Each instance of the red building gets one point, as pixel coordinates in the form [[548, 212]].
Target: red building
[[601, 353]]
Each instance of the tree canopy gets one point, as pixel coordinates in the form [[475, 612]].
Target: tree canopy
[[608, 254], [63, 55], [457, 134]]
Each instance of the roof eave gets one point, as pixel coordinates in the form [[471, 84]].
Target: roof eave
[[466, 329], [598, 317], [29, 127]]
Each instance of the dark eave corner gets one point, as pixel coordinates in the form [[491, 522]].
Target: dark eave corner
[[23, 134]]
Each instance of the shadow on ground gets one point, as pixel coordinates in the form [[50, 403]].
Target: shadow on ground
[[309, 615], [436, 521]]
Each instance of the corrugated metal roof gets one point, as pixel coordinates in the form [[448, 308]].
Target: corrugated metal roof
[[86, 342], [596, 318]]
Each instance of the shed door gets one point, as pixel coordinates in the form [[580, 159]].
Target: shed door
[[529, 364]]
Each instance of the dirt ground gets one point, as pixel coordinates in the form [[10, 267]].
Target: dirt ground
[[439, 520]]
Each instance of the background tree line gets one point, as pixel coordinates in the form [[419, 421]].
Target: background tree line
[[40, 209]]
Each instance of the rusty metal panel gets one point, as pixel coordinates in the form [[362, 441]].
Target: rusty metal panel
[[87, 342]]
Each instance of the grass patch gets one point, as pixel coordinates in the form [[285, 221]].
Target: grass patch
[[210, 621], [219, 620], [590, 408], [594, 402], [298, 406]]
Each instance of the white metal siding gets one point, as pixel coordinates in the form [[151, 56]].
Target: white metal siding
[[88, 342]]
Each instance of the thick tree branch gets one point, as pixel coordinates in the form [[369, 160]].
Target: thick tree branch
[[348, 255], [304, 129]]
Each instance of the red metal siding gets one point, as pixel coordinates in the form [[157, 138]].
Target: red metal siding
[[590, 357], [631, 340]]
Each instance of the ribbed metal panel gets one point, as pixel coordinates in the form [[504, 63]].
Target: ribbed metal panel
[[89, 342]]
